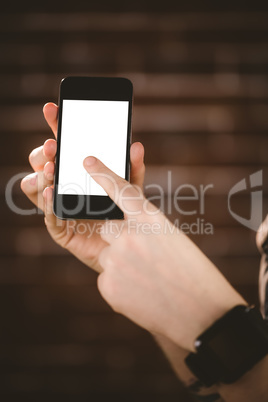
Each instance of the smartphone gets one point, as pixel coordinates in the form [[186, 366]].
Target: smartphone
[[94, 120]]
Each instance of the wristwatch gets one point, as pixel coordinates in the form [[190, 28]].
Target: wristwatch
[[230, 347]]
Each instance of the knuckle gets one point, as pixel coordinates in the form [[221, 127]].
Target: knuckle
[[34, 155], [104, 284], [23, 184], [31, 157], [108, 289], [126, 240], [25, 187], [106, 260]]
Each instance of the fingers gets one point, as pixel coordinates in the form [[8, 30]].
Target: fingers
[[41, 155], [137, 171], [34, 184], [49, 169], [50, 149], [50, 111], [41, 160], [127, 196]]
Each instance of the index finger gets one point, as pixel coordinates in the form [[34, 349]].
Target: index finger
[[128, 197]]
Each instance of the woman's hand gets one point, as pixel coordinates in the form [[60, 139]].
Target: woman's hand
[[86, 243], [154, 274]]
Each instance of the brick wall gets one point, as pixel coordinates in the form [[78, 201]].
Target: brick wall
[[201, 98]]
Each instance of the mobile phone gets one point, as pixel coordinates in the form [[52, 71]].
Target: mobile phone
[[94, 120]]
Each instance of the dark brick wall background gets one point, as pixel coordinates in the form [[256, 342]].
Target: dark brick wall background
[[201, 110]]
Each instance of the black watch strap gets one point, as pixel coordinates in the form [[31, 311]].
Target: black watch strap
[[230, 347]]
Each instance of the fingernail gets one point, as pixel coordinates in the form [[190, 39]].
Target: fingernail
[[89, 161]]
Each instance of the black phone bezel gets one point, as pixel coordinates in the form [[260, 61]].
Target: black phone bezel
[[91, 88]]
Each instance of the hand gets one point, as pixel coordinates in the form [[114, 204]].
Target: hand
[[84, 244], [156, 277]]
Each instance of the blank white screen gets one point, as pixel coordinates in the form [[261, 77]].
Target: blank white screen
[[96, 128]]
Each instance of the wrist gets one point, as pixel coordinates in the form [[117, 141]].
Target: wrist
[[198, 295], [230, 347], [215, 310], [205, 312]]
